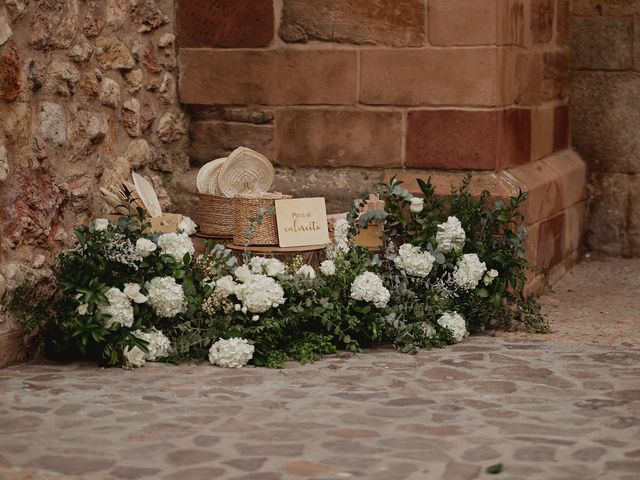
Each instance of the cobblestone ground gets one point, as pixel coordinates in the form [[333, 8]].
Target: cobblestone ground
[[561, 406]]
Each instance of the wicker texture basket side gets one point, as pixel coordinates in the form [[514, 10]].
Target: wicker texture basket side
[[215, 215], [246, 208]]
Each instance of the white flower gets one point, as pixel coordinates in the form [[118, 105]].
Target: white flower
[[259, 293], [226, 285], [119, 308], [368, 287], [469, 271], [306, 271], [132, 290], [267, 266], [237, 307], [414, 261], [328, 268], [100, 224], [255, 318], [454, 322], [451, 236], [144, 247], [341, 234], [158, 343], [83, 308], [134, 357], [490, 276], [232, 353], [166, 296], [243, 273], [187, 226], [176, 245], [417, 204]]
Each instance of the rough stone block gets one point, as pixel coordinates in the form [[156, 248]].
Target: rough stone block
[[609, 204], [634, 216], [557, 68], [542, 15], [563, 22], [376, 22], [224, 23], [606, 8], [461, 77], [636, 43], [574, 225], [605, 114], [213, 139], [276, 77], [468, 139], [338, 138], [602, 43], [463, 22]]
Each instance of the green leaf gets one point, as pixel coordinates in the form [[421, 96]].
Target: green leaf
[[482, 293], [495, 469]]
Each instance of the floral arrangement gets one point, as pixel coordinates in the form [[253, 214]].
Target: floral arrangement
[[450, 265]]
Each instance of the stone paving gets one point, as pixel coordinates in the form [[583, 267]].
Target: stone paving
[[545, 407]]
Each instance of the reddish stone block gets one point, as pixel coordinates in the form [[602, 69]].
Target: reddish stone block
[[563, 22], [461, 76], [571, 173], [511, 22], [468, 139], [224, 23], [542, 132], [550, 243], [213, 139], [461, 22], [560, 128], [376, 22], [574, 225], [338, 138], [9, 73], [557, 68], [273, 77], [542, 14]]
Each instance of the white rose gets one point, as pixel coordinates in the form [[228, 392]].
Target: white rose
[[132, 290], [83, 308], [187, 226], [144, 247], [328, 268], [225, 285], [134, 357], [306, 271], [451, 236], [100, 224], [490, 276], [243, 273], [417, 204]]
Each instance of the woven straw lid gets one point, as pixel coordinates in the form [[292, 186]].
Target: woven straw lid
[[245, 171], [203, 180]]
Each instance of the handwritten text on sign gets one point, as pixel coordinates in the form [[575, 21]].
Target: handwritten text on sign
[[302, 222]]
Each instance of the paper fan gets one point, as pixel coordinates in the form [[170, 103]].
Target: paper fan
[[204, 174], [147, 195], [245, 171]]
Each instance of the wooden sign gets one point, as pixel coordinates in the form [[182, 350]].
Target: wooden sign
[[302, 222]]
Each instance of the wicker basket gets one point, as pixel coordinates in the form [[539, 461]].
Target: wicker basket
[[246, 208], [215, 215]]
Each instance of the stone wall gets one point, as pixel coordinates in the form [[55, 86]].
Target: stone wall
[[342, 94], [87, 93], [605, 108]]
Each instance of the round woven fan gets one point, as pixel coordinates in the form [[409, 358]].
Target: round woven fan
[[213, 181], [203, 180], [245, 171]]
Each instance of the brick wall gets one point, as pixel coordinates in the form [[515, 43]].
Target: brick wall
[[341, 94], [606, 116]]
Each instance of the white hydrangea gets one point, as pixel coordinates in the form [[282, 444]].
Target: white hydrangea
[[328, 268], [166, 296], [176, 244], [259, 293], [243, 273], [451, 236], [100, 224], [226, 286], [341, 234], [417, 204], [306, 271], [144, 247], [134, 357], [268, 266], [231, 353], [368, 287], [158, 343], [414, 261], [428, 330], [454, 322], [132, 290], [490, 276], [119, 308], [187, 226], [469, 271]]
